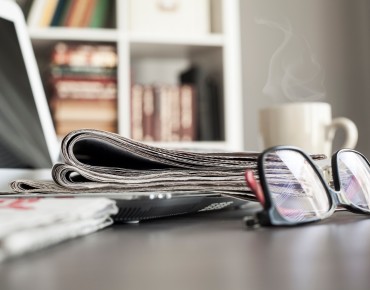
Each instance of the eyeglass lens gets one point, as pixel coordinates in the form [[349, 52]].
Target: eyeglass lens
[[295, 189], [354, 178]]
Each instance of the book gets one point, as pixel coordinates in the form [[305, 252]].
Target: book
[[78, 13], [64, 13], [88, 55], [30, 224], [208, 103], [131, 166], [148, 112], [175, 108], [84, 87], [47, 13], [137, 130], [67, 17], [84, 109], [86, 18], [79, 88], [35, 12], [82, 72], [214, 108], [100, 14], [164, 113], [72, 114], [188, 124], [58, 13], [63, 127]]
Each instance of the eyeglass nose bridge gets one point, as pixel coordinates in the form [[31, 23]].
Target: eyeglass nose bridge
[[327, 173], [339, 198]]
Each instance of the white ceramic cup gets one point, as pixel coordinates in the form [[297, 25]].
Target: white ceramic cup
[[308, 125]]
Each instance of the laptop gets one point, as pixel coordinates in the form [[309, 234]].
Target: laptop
[[27, 137], [28, 142]]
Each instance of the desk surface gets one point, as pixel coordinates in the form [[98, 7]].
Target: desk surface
[[205, 251]]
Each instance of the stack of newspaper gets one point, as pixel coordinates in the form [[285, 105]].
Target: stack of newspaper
[[99, 161], [29, 224]]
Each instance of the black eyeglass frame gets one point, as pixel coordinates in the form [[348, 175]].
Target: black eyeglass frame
[[270, 215]]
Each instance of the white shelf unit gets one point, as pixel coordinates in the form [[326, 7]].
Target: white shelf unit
[[220, 50]]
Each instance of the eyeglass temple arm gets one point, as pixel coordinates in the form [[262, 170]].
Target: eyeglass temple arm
[[255, 186]]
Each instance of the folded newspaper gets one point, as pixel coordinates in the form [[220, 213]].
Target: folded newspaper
[[99, 161], [29, 224]]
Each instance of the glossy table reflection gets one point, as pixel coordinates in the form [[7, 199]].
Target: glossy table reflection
[[204, 251]]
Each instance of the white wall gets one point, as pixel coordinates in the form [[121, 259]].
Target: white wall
[[338, 32]]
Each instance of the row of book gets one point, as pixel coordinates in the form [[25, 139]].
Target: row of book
[[70, 13], [84, 85], [163, 113], [84, 89]]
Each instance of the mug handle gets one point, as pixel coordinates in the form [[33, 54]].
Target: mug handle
[[350, 130]]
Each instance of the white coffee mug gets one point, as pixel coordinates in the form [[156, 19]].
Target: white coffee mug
[[308, 125]]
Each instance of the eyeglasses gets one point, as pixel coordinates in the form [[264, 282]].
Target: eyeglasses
[[293, 191]]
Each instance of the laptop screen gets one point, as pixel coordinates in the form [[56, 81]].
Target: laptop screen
[[22, 141]]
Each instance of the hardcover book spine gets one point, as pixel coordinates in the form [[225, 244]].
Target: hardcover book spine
[[100, 14], [68, 15], [65, 127], [64, 13], [84, 110], [188, 113], [175, 113], [102, 56], [82, 72], [58, 13], [47, 13], [85, 88], [137, 112], [78, 13], [157, 113], [148, 114], [165, 113], [86, 17]]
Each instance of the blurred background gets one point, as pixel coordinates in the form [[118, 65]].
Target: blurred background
[[191, 73], [338, 32]]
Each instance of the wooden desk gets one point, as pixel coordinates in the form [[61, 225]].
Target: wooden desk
[[205, 251]]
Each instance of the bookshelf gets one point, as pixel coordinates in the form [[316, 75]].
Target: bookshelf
[[147, 58]]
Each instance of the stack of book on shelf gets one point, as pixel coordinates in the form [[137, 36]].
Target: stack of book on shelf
[[163, 113], [70, 13], [84, 84]]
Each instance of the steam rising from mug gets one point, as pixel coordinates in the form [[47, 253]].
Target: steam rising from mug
[[294, 73]]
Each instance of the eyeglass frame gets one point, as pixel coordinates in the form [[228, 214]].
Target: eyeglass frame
[[270, 216]]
